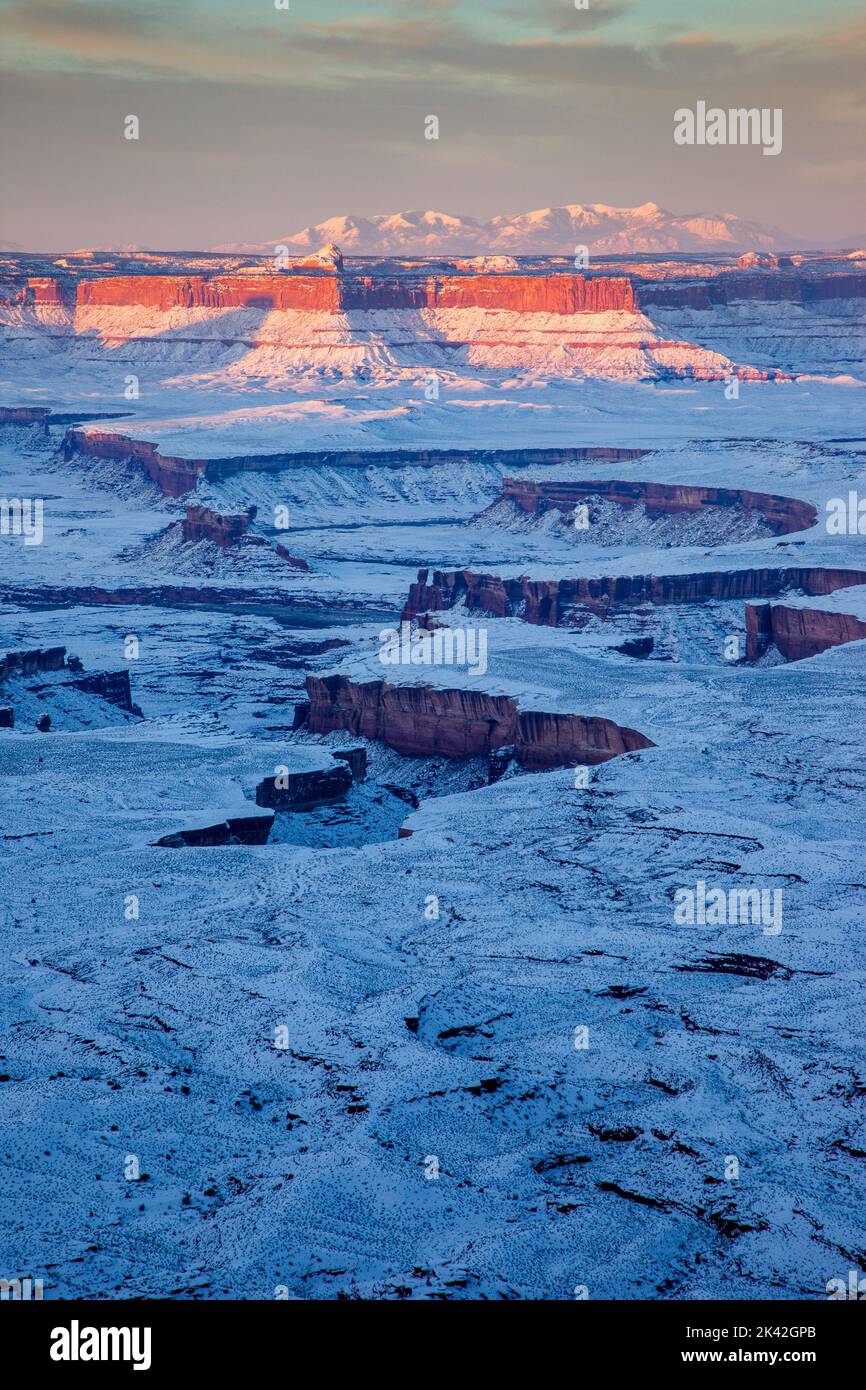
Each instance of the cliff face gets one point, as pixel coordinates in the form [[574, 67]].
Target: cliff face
[[112, 686], [550, 602], [29, 663], [327, 289], [782, 514], [797, 632], [534, 294], [300, 791], [758, 288], [163, 292], [174, 476], [237, 830], [550, 294], [204, 524], [425, 721], [178, 476]]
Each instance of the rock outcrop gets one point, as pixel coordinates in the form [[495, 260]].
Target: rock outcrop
[[426, 721], [111, 686], [301, 791], [781, 514], [275, 290], [205, 524], [758, 287], [177, 476], [30, 663], [323, 283], [798, 633], [331, 291], [236, 830], [356, 758], [555, 602]]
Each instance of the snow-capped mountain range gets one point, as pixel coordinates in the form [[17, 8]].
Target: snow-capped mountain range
[[545, 232]]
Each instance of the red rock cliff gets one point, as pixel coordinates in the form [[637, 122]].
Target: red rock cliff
[[533, 294], [427, 721], [269, 291], [782, 514], [549, 602], [798, 632], [203, 524]]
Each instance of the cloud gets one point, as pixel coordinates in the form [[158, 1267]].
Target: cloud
[[534, 110], [561, 17]]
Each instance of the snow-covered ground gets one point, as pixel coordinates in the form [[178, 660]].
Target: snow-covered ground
[[484, 1059]]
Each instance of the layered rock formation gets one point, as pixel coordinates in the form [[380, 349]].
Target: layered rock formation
[[763, 288], [426, 721], [781, 514], [230, 529], [325, 288], [300, 791], [112, 686], [30, 663], [797, 632], [277, 290], [236, 830], [324, 284], [555, 602], [205, 524], [178, 476]]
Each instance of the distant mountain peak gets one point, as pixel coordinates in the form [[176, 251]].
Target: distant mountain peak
[[603, 229]]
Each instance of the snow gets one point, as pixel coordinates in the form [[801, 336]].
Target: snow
[[545, 231], [417, 1034]]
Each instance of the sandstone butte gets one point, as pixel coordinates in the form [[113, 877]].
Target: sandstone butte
[[427, 721], [229, 529], [328, 291]]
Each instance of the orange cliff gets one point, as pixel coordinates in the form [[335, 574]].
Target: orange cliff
[[331, 290], [163, 292], [331, 293]]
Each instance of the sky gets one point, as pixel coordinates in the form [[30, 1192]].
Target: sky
[[256, 121]]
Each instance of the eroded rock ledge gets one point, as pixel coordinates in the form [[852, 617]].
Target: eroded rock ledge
[[228, 529], [426, 721], [798, 632], [177, 476], [559, 602], [781, 514]]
